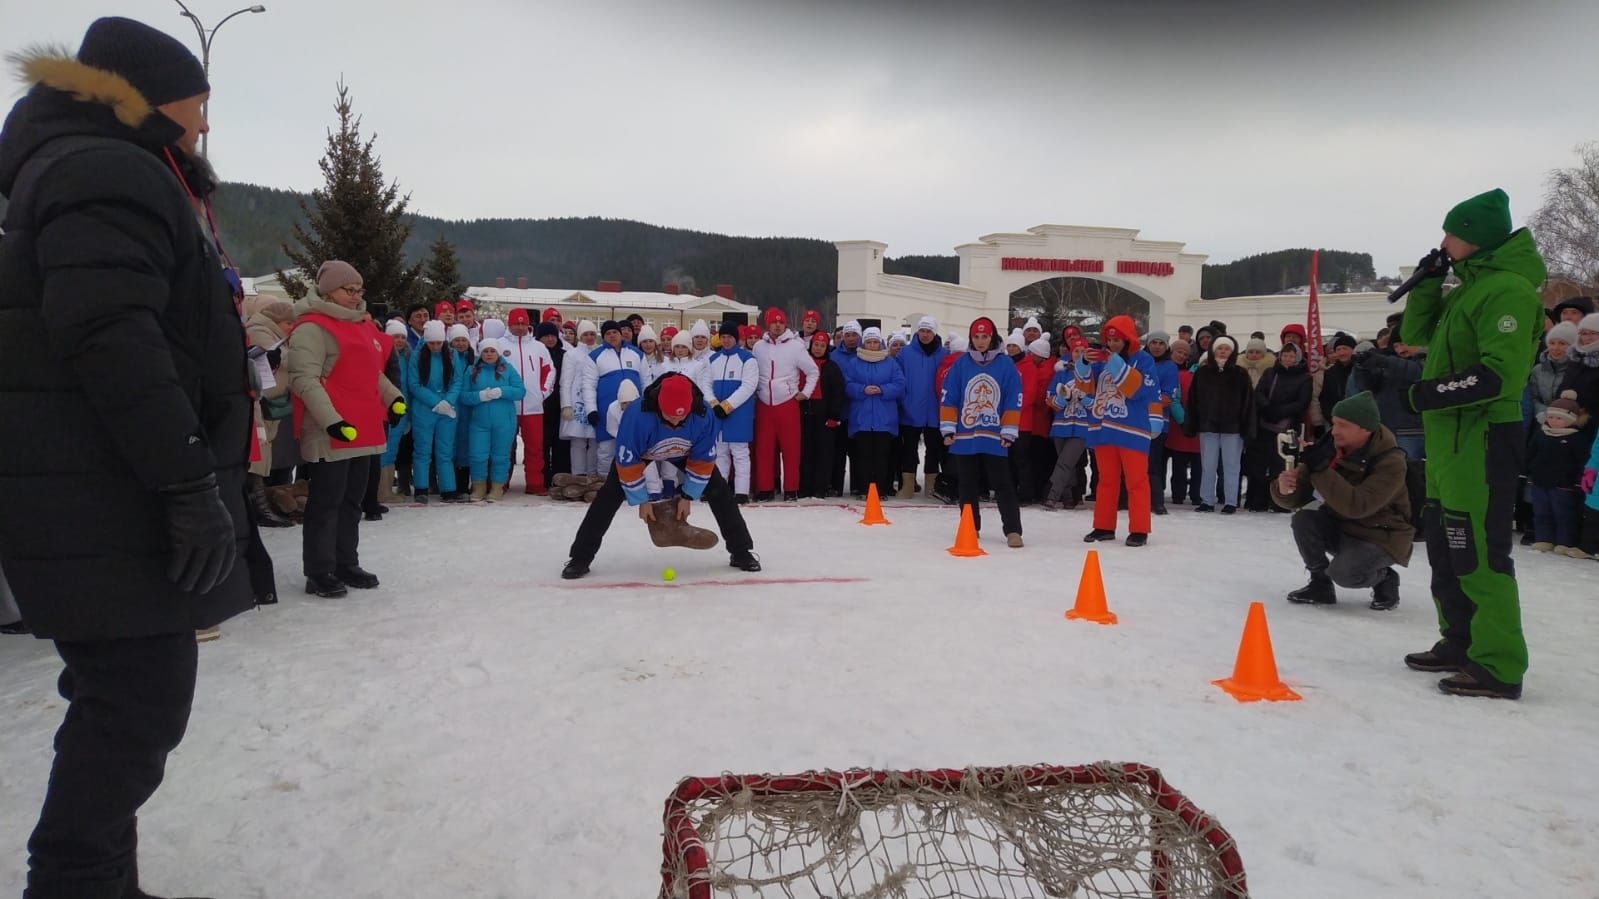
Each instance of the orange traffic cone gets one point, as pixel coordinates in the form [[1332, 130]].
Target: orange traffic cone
[[966, 538], [874, 508], [1255, 673], [1091, 594]]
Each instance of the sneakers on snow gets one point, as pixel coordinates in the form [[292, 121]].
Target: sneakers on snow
[[1385, 595], [1318, 592], [1463, 684], [1099, 535], [357, 577], [745, 561], [325, 585], [1430, 661], [1204, 507]]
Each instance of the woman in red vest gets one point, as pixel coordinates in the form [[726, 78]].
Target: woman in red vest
[[341, 402]]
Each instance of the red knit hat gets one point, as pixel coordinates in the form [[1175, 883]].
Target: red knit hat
[[676, 396], [668, 332], [518, 317], [811, 315], [441, 307], [552, 314], [464, 303], [820, 337], [981, 326], [1297, 330], [775, 314]]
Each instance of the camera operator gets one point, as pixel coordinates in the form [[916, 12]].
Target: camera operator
[[1362, 527]]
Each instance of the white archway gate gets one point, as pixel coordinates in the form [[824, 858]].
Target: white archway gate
[[997, 265]]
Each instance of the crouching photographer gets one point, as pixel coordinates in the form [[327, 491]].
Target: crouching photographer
[[1362, 527]]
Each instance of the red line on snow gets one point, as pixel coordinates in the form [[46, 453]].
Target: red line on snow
[[732, 582]]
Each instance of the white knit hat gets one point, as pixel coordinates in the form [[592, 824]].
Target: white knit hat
[[700, 329], [587, 327], [873, 333], [493, 329], [1033, 323], [627, 393], [487, 345], [433, 331], [646, 333], [852, 327], [1589, 322], [1039, 347], [1017, 339], [1565, 332], [682, 339], [460, 331], [928, 323], [394, 328], [897, 337], [958, 344]]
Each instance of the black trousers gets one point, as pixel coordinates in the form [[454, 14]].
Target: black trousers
[[1185, 469], [735, 534], [933, 452], [557, 452], [1324, 547], [1157, 471], [816, 454], [874, 459], [333, 515], [369, 499], [1020, 464], [128, 706], [970, 469]]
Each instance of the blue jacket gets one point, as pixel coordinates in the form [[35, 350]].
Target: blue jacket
[[1124, 392], [1168, 382], [734, 376], [497, 411], [463, 410], [428, 392], [982, 404], [874, 412], [919, 407], [1072, 417], [643, 437]]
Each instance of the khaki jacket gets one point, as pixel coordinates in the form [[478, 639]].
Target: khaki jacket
[[312, 354], [266, 333], [1366, 491]]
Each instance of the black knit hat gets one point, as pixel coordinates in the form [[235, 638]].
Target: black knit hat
[[729, 328], [546, 329], [157, 64], [1344, 340], [610, 326]]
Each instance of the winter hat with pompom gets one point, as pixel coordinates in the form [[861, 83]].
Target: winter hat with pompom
[[1565, 405], [1039, 347]]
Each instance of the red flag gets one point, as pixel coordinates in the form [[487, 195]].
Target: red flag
[[1315, 353]]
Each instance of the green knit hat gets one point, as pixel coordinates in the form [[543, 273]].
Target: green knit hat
[[1360, 409], [1483, 220]]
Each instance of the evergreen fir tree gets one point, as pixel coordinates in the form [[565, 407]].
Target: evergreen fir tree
[[443, 272], [355, 217]]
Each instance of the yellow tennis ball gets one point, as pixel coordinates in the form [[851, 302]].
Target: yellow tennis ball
[[669, 574]]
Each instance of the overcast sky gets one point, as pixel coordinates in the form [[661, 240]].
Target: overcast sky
[[1236, 127]]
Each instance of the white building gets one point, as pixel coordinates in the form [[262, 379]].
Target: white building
[[609, 301]]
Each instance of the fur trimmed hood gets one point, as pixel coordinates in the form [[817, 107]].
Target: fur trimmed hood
[[56, 67]]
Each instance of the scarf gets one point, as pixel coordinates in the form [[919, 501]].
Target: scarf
[[983, 358], [1558, 432], [1589, 355], [866, 355]]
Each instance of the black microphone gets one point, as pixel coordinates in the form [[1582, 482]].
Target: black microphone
[[1425, 269]]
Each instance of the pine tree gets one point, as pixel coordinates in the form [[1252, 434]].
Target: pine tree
[[443, 272], [355, 217]]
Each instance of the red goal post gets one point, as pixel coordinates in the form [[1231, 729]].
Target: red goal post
[[1101, 831]]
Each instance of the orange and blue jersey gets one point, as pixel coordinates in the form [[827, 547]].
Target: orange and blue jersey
[[1170, 387], [643, 437], [981, 404], [1122, 395], [1072, 416]]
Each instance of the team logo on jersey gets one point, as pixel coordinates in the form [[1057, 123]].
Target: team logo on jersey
[[1508, 324], [1108, 400], [980, 403]]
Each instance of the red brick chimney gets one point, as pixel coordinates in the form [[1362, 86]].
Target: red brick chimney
[[499, 283], [672, 289], [610, 287], [521, 284], [725, 291]]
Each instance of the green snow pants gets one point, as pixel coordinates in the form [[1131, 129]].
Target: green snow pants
[[1471, 496]]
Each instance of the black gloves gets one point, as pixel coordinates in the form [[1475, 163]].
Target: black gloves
[[594, 419], [342, 431], [721, 410], [396, 411], [201, 532], [1319, 456], [1434, 264]]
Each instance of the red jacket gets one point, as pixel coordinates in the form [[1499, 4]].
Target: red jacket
[[1036, 414], [1176, 440]]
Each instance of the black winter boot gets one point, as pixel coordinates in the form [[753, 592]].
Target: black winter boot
[[357, 577], [1099, 535], [574, 570], [1318, 592], [745, 561], [260, 509], [1462, 683], [325, 585], [1385, 595], [1431, 660]]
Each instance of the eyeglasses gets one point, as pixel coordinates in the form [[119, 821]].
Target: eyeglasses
[[354, 291]]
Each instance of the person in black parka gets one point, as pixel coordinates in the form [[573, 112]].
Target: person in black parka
[[1281, 398], [123, 461]]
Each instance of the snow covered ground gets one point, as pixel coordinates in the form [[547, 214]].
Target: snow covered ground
[[478, 727]]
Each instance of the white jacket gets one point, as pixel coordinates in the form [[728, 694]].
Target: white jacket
[[531, 359], [732, 367], [786, 368], [573, 365], [604, 360], [694, 369]]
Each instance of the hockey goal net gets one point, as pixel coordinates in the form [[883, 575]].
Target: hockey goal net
[[1103, 830]]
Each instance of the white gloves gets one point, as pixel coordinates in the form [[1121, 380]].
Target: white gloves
[[488, 393], [497, 392], [444, 408]]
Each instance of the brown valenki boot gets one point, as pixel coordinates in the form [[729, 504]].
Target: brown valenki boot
[[386, 491], [480, 490], [496, 493], [907, 485], [667, 530]]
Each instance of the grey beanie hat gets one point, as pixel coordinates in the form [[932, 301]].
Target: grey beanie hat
[[335, 273], [1161, 336]]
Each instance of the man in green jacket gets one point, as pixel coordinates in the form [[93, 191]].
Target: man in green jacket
[[1481, 341]]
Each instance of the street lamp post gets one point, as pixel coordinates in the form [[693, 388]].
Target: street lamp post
[[206, 37]]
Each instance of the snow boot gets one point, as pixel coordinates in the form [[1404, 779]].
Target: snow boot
[[574, 570], [1543, 546], [1157, 506], [1228, 510], [1385, 595], [480, 491], [742, 499], [260, 509], [1319, 592], [1014, 541], [666, 530], [790, 496], [420, 497], [745, 561], [1099, 535], [325, 585], [456, 497], [372, 516], [907, 485], [497, 493], [1204, 507], [386, 491], [1463, 684], [1431, 660], [1137, 539], [357, 577], [763, 496]]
